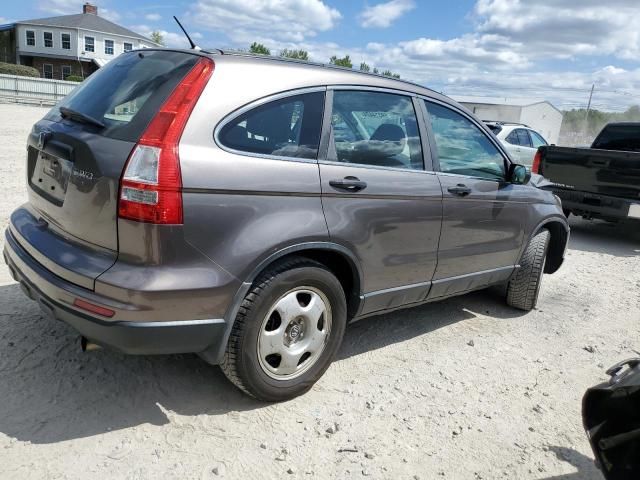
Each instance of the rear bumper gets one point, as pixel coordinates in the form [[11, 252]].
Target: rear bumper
[[600, 206], [56, 295]]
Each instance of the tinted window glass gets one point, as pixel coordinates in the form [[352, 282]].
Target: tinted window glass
[[462, 147], [513, 138], [523, 137], [289, 127], [496, 129], [537, 140], [128, 91], [375, 128], [66, 41], [619, 137]]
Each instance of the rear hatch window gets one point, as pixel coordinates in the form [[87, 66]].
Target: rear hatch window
[[77, 152], [619, 137], [125, 94]]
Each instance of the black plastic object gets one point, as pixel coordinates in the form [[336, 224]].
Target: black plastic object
[[611, 416]]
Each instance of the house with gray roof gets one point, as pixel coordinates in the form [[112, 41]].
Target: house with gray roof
[[67, 45]]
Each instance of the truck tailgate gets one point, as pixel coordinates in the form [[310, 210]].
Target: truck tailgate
[[603, 172]]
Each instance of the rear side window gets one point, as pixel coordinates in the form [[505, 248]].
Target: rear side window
[[288, 127], [126, 93], [374, 128]]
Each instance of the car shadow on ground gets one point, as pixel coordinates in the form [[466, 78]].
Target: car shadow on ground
[[52, 392], [586, 467], [598, 236]]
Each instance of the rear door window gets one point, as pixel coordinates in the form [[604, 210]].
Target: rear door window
[[288, 127], [374, 128], [126, 93], [523, 137]]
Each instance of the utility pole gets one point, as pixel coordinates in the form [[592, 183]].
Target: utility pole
[[586, 116]]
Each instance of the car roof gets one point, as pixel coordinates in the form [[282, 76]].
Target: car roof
[[338, 74]]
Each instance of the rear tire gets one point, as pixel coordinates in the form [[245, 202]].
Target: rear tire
[[524, 286], [287, 331]]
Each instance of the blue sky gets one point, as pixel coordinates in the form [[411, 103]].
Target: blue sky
[[517, 48]]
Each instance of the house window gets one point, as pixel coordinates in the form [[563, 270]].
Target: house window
[[31, 38], [128, 47], [66, 71], [47, 70], [66, 41], [48, 39], [108, 47], [89, 43]]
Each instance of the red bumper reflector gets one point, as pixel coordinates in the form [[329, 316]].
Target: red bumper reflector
[[90, 307]]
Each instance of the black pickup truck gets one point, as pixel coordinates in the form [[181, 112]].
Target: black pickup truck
[[602, 181]]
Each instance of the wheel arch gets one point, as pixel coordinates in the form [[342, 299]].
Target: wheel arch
[[337, 258], [559, 230]]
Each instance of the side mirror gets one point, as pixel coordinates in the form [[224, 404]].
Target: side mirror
[[519, 174]]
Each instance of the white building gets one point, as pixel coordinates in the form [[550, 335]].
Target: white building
[[540, 115], [71, 44]]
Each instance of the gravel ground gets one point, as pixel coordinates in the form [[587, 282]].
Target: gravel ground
[[463, 389]]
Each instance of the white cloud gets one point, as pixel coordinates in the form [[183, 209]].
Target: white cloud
[[292, 20], [548, 49], [171, 39], [562, 28], [69, 7], [383, 15], [153, 17]]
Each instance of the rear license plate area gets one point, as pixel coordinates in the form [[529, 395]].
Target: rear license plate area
[[50, 177]]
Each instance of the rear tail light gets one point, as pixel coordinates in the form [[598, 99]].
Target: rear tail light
[[151, 185], [537, 159]]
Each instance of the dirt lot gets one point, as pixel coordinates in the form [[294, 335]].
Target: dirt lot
[[464, 389]]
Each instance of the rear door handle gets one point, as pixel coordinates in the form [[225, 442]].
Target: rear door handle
[[460, 189], [349, 184]]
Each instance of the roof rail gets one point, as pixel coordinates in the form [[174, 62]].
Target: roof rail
[[500, 122], [313, 64]]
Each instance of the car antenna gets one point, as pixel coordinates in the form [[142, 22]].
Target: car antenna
[[193, 45]]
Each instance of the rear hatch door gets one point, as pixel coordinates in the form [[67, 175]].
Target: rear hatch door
[[75, 158]]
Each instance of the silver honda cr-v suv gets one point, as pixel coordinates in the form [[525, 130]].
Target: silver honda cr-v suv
[[246, 208]]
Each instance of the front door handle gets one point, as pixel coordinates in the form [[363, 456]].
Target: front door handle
[[460, 189], [350, 184]]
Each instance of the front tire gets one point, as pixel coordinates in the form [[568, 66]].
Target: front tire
[[287, 331], [524, 286]]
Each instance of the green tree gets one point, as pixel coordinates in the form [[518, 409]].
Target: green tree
[[157, 37], [364, 67], [259, 49], [375, 70], [341, 62], [389, 73], [297, 54]]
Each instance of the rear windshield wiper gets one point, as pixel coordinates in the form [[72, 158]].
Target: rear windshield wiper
[[80, 117]]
